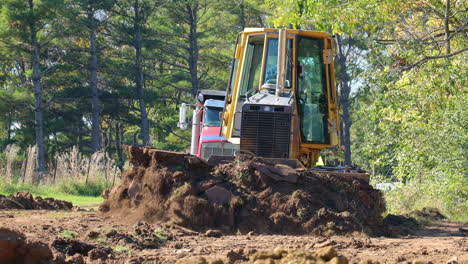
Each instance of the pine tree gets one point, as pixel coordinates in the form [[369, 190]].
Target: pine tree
[[30, 26]]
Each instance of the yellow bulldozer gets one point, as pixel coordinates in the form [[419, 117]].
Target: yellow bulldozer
[[281, 100], [280, 103]]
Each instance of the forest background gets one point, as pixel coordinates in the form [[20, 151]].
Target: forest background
[[80, 78]]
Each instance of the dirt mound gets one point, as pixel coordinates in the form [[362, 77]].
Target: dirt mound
[[242, 196], [428, 213], [15, 248], [25, 201], [400, 225]]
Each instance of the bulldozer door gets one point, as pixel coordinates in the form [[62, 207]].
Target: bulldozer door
[[250, 77], [312, 91]]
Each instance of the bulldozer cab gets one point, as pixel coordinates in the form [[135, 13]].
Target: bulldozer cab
[[281, 97]]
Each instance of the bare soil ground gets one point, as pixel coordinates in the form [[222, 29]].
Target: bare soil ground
[[440, 242], [173, 207]]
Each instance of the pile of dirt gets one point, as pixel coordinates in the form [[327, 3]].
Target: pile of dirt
[[409, 223], [25, 201], [248, 194], [15, 248], [396, 225], [427, 213]]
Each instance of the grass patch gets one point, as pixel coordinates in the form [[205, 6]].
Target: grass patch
[[120, 248], [161, 235], [414, 195], [68, 233], [77, 193]]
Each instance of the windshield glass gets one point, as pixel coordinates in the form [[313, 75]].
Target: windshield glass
[[212, 116], [272, 62], [311, 91]]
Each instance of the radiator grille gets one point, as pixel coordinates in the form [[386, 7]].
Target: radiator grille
[[266, 134], [217, 148]]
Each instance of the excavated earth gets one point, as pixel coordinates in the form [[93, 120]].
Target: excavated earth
[[44, 236], [175, 208], [26, 201], [246, 195]]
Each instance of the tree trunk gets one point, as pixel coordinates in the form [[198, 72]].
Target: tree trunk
[[344, 101], [139, 75], [446, 27], [80, 137], [118, 142], [10, 120], [36, 79], [109, 141], [93, 64], [242, 15], [193, 48]]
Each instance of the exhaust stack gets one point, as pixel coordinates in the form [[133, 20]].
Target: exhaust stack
[[280, 70], [195, 131]]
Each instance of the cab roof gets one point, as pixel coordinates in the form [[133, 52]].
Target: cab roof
[[214, 103]]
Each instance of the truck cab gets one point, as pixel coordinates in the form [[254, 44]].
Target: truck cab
[[206, 125]]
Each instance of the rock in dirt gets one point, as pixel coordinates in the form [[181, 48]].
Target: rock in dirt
[[75, 259], [59, 258], [16, 249], [245, 195], [236, 255], [26, 201], [326, 253], [218, 195], [213, 233], [71, 247], [93, 234], [453, 260], [200, 260], [101, 253]]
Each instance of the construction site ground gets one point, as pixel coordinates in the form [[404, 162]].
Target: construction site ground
[[439, 242], [177, 208]]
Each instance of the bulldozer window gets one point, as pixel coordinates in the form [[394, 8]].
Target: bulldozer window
[[250, 77], [271, 63], [311, 91], [252, 66]]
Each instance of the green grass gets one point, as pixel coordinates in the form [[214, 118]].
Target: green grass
[[68, 233], [451, 201], [78, 194], [120, 248]]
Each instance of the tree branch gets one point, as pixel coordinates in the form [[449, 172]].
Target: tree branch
[[428, 58]]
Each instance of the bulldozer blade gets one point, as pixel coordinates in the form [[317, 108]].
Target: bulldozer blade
[[361, 176], [151, 157], [292, 163]]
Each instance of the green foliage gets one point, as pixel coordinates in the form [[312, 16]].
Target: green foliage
[[438, 193], [409, 116], [82, 195], [81, 189], [161, 234], [122, 249], [68, 233]]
